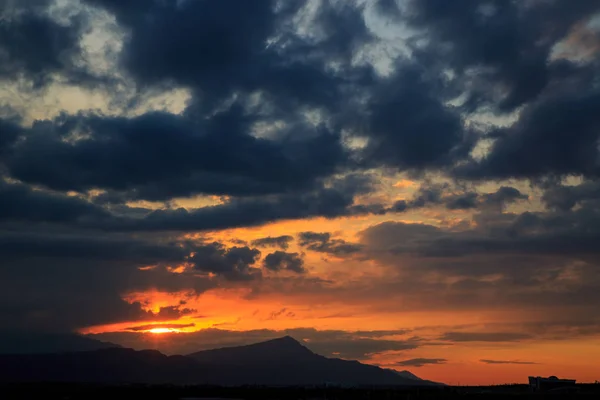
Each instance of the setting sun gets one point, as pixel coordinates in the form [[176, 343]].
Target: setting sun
[[161, 330]]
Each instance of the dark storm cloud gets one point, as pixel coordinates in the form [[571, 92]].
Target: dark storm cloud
[[235, 263], [158, 156], [538, 234], [326, 202], [281, 260], [556, 136], [464, 201], [504, 195], [83, 246], [10, 7], [33, 45], [283, 242], [49, 296], [293, 69], [49, 314], [42, 273], [505, 260], [396, 134], [566, 197], [420, 362], [288, 68], [125, 11], [513, 362], [21, 203], [429, 195], [344, 29], [10, 130], [508, 44], [501, 53], [330, 343], [485, 336], [242, 34], [542, 234], [392, 235], [410, 128], [52, 248], [306, 238], [325, 243]]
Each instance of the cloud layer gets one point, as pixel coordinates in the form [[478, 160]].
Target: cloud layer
[[275, 182]]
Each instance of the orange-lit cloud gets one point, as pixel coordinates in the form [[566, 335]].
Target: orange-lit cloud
[[405, 183]]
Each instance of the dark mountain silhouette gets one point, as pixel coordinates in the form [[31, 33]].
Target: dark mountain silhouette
[[281, 351], [285, 361], [406, 374], [40, 343], [116, 365], [276, 362]]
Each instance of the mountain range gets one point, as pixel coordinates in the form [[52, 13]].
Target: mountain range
[[30, 343], [277, 362]]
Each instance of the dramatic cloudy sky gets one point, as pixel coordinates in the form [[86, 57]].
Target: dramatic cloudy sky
[[411, 183]]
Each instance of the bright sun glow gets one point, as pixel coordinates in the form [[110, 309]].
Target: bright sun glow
[[160, 330]]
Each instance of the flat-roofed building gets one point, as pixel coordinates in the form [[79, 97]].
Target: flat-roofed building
[[540, 384]]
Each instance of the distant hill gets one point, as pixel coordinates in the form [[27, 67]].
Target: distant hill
[[33, 343], [115, 365], [278, 362]]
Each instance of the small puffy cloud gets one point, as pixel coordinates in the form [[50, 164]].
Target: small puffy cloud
[[485, 336], [324, 243], [420, 362], [283, 242], [280, 260], [513, 362]]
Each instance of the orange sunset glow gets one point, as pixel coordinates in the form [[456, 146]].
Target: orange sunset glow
[[158, 331], [411, 184]]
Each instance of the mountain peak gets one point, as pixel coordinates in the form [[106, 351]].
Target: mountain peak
[[285, 344], [279, 350], [286, 340]]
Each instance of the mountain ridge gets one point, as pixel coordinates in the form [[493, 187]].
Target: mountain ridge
[[302, 366], [277, 362]]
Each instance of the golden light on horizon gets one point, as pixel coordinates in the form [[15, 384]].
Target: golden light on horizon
[[158, 331]]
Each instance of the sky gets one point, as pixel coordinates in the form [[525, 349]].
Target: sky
[[410, 183]]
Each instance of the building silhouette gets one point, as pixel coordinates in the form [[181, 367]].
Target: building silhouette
[[540, 384]]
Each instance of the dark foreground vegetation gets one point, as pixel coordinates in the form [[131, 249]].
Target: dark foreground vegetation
[[167, 392]]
